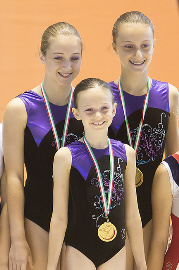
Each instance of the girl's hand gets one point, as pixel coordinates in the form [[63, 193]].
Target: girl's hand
[[20, 256]]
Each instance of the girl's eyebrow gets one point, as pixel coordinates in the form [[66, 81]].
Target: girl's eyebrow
[[104, 103], [63, 53], [126, 41], [147, 40]]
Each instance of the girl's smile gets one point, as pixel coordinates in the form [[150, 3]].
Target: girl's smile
[[63, 59], [95, 108], [134, 45]]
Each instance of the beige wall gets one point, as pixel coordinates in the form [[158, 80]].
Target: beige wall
[[23, 22]]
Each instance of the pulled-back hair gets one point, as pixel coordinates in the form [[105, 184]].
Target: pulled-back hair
[[60, 28], [130, 17], [88, 84]]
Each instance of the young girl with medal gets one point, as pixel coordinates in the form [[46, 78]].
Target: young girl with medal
[[94, 199], [36, 124], [146, 116], [165, 203]]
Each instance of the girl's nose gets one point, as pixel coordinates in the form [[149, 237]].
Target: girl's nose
[[138, 53], [67, 64], [98, 114]]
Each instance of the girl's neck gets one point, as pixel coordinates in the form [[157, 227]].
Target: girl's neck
[[98, 141], [135, 84], [57, 94]]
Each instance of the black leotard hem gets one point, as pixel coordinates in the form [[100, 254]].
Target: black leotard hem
[[97, 262], [38, 222]]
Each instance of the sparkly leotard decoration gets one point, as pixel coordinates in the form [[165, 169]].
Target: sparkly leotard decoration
[[152, 141], [39, 151], [86, 212]]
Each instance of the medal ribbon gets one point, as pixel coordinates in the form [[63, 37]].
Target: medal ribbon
[[106, 204], [67, 118], [139, 132]]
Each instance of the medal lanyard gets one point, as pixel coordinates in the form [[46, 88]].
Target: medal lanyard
[[67, 118], [139, 132], [106, 204]]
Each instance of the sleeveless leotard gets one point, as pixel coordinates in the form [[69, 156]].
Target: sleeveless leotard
[[39, 151], [152, 142], [172, 257], [86, 212]]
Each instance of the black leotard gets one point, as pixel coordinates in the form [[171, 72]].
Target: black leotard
[[39, 151], [86, 212], [152, 142]]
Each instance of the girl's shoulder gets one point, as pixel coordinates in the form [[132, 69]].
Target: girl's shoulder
[[174, 98], [29, 96], [76, 148], [119, 149], [15, 109], [62, 156]]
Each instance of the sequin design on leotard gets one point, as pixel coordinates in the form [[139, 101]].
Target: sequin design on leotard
[[152, 141], [86, 213], [39, 151], [172, 257], [118, 190]]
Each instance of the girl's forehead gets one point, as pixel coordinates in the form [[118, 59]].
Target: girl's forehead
[[95, 94], [65, 42], [134, 30], [98, 90]]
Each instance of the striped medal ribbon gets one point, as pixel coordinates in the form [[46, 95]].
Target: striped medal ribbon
[[67, 118], [107, 231], [139, 174]]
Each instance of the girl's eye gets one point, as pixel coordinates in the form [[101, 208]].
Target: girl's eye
[[104, 108], [128, 46], [58, 58], [89, 110], [145, 46], [75, 58]]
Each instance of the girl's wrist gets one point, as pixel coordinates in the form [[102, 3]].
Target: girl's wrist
[[51, 267]]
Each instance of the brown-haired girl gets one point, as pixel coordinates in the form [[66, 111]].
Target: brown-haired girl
[[94, 191], [36, 124], [146, 115]]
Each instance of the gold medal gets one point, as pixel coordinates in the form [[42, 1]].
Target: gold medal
[[107, 231], [138, 178]]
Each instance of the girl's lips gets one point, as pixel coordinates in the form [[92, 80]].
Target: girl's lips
[[98, 124], [137, 63], [65, 75]]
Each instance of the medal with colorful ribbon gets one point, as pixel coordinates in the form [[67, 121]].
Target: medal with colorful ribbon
[[107, 231], [139, 174], [67, 118]]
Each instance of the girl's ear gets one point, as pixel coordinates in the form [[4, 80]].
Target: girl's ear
[[114, 47], [114, 109], [154, 43], [42, 58], [76, 113]]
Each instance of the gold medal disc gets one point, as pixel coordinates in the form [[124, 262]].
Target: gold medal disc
[[138, 178], [107, 231]]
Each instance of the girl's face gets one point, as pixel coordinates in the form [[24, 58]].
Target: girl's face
[[134, 45], [95, 108], [63, 59]]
